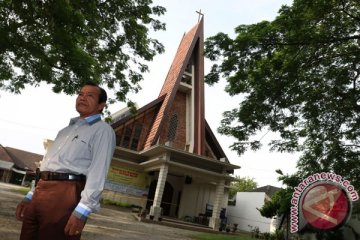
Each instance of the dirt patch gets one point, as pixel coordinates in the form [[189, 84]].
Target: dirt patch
[[109, 223]]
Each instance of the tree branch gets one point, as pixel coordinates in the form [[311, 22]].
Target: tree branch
[[347, 13], [310, 42], [351, 145]]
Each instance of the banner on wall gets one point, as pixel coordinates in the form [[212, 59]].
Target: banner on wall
[[127, 180]]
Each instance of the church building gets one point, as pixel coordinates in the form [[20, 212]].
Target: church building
[[167, 159]]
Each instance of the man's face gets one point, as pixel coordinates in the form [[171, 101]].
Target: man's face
[[87, 102]]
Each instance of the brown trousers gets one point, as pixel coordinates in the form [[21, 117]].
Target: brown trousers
[[52, 204]]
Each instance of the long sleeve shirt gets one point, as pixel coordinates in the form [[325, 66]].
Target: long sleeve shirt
[[85, 147]]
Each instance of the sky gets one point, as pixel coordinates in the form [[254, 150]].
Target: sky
[[38, 113]]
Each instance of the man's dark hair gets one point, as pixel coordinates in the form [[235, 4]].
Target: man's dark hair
[[103, 95]]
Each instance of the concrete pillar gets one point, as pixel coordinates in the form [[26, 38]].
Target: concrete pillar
[[214, 221], [155, 210], [23, 180]]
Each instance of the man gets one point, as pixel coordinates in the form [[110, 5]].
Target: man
[[72, 174]]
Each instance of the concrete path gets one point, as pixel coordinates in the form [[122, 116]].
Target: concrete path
[[108, 224]]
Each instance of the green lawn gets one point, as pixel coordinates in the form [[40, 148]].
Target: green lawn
[[23, 190], [214, 236]]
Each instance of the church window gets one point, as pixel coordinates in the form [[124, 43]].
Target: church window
[[172, 127], [126, 138], [136, 136]]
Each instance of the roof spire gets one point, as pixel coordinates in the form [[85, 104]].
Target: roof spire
[[200, 15]]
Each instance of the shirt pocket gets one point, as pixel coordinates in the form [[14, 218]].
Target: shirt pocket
[[79, 153]]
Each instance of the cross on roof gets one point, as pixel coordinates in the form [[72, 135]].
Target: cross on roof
[[200, 14]]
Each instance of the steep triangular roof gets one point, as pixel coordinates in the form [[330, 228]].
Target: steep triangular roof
[[184, 81], [191, 41]]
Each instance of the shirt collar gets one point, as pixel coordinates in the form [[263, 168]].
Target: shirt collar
[[93, 119], [90, 120]]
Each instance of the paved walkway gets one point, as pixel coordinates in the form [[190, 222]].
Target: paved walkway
[[108, 224]]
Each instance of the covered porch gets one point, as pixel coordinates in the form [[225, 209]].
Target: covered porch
[[181, 185]]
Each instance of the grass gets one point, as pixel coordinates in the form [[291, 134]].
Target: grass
[[214, 236], [23, 190], [114, 203], [117, 204]]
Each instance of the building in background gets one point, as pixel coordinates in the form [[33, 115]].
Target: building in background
[[18, 166], [245, 211]]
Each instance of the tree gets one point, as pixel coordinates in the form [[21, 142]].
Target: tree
[[280, 202], [299, 75], [66, 43], [242, 184]]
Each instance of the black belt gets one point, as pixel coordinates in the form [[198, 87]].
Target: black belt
[[48, 176]]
